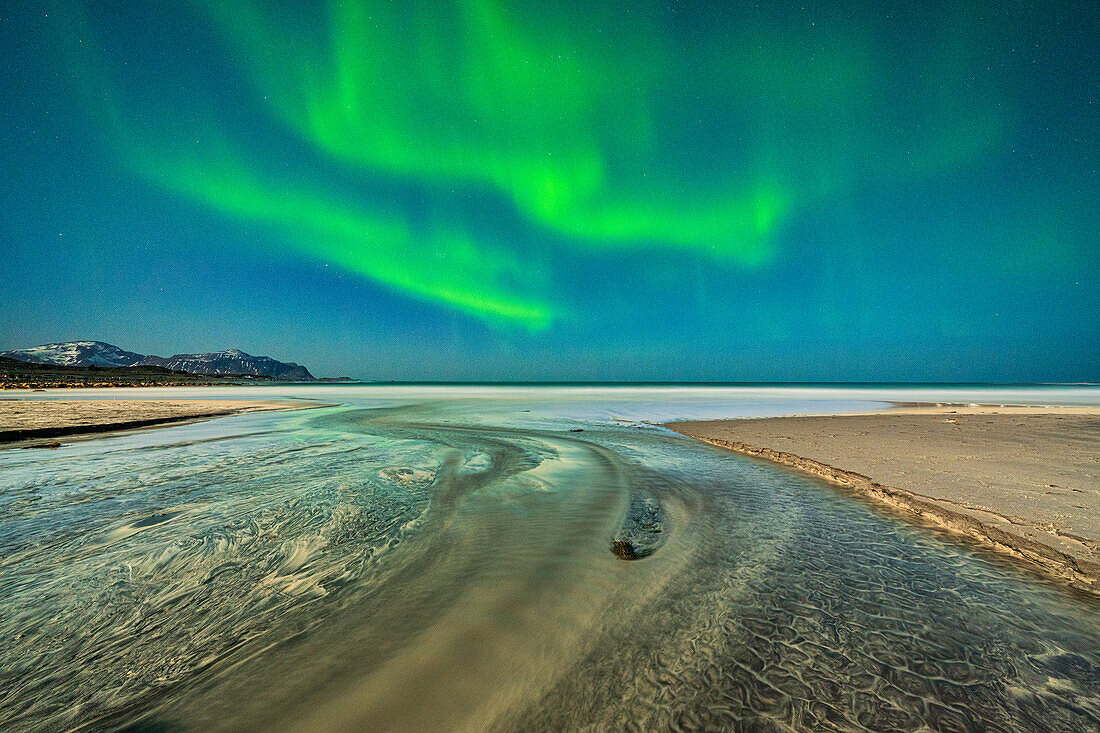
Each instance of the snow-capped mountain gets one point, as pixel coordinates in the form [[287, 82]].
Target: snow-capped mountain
[[233, 361], [76, 353], [97, 353]]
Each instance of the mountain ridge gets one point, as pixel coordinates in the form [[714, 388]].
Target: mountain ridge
[[76, 353], [102, 354]]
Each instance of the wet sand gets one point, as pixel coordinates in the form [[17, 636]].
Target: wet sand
[[1026, 479], [40, 420], [450, 564]]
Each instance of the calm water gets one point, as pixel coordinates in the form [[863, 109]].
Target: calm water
[[440, 558]]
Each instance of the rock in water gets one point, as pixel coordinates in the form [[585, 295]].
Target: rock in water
[[623, 549]]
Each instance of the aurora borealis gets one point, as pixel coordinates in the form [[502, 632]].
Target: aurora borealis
[[483, 189]]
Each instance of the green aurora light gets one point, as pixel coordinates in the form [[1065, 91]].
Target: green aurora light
[[605, 129]]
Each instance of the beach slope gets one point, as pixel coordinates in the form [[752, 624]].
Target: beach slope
[[23, 420], [1026, 479]]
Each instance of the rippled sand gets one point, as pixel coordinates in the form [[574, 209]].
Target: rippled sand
[[436, 567]]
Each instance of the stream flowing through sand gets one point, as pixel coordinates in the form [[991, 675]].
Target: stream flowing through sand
[[445, 558]]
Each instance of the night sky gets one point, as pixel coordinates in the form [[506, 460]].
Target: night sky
[[536, 190]]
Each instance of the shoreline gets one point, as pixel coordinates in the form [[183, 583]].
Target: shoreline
[[30, 423], [45, 385], [936, 462]]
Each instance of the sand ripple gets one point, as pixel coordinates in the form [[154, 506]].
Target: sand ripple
[[399, 569]]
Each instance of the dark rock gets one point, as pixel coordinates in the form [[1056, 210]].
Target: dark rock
[[624, 550]]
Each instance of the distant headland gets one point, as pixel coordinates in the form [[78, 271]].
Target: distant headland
[[99, 364]]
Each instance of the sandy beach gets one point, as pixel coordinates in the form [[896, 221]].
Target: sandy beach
[[26, 420], [1026, 479], [520, 558]]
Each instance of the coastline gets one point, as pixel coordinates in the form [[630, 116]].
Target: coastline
[[35, 421], [1025, 480]]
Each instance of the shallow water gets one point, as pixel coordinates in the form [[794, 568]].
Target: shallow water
[[423, 559]]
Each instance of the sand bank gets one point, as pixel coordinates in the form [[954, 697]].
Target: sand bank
[[1026, 479], [24, 420]]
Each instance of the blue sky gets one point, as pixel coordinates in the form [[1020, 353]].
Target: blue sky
[[514, 191]]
